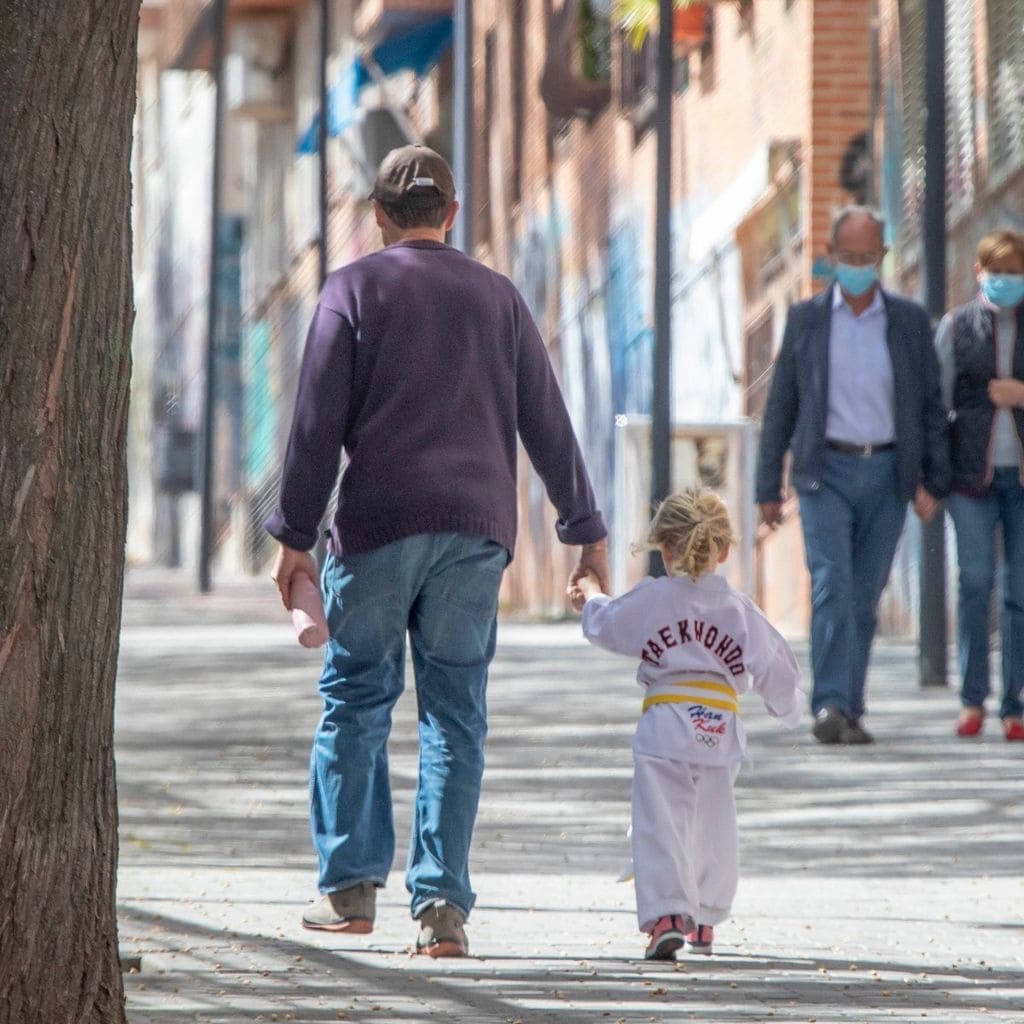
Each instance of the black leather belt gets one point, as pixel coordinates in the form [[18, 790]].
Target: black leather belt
[[863, 450]]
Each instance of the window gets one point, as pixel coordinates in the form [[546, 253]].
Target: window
[[484, 205], [960, 147], [1005, 86], [682, 82], [638, 85], [758, 364], [595, 41], [911, 29], [518, 55]]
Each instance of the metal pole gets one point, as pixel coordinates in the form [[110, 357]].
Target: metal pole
[[322, 128], [321, 136], [871, 192], [462, 125], [661, 421], [932, 655], [213, 307]]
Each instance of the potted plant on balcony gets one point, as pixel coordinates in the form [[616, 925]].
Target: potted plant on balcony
[[689, 24], [689, 21], [574, 83]]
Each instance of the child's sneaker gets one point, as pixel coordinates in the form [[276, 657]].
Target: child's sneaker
[[668, 935], [699, 940]]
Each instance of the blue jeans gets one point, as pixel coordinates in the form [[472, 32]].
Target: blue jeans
[[443, 590], [975, 520], [852, 524]]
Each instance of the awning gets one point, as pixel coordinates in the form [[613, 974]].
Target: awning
[[417, 50]]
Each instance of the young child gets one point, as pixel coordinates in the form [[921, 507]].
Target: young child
[[699, 643]]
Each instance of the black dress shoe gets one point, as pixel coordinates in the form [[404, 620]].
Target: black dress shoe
[[830, 726], [856, 733]]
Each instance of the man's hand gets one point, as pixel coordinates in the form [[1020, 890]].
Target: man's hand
[[593, 561], [289, 564], [925, 505], [584, 590], [771, 513], [1006, 393]]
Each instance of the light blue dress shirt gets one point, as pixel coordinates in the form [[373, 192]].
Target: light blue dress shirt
[[860, 377]]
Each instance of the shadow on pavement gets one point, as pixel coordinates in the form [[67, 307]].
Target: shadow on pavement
[[842, 847], [212, 750], [257, 979]]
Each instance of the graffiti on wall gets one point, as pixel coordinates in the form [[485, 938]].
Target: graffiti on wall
[[630, 337], [602, 344]]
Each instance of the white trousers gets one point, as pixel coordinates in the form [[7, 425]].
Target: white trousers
[[685, 846]]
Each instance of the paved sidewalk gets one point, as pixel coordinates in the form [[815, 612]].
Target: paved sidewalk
[[879, 884]]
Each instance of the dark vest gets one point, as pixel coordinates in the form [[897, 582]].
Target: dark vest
[[974, 355]]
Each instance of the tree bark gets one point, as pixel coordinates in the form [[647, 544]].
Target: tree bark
[[67, 97]]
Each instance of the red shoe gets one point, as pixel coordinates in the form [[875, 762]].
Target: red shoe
[[1013, 729], [970, 722]]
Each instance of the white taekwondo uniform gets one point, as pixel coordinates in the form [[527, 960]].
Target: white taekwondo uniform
[[700, 644]]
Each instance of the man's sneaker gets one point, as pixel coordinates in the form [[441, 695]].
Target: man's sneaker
[[442, 931], [856, 733], [347, 910], [700, 939], [830, 726], [668, 935]]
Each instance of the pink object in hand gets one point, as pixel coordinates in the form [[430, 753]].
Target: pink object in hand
[[308, 613]]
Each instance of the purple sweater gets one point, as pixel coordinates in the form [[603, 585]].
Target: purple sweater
[[423, 365]]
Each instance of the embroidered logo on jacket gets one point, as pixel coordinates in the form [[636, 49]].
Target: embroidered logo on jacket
[[708, 724], [696, 631]]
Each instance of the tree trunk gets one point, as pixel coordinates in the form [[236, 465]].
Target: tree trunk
[[67, 96]]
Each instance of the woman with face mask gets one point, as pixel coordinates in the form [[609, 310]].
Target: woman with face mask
[[981, 356]]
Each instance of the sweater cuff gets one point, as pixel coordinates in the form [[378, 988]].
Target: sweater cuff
[[585, 529], [276, 526]]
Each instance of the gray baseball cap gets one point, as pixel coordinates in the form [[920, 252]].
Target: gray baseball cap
[[413, 171]]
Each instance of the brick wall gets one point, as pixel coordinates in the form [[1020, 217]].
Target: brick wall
[[839, 107], [750, 90], [585, 185]]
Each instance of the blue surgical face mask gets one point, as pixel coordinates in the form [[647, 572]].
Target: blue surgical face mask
[[855, 280], [1005, 290]]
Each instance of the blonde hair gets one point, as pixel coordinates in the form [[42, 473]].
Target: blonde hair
[[692, 529], [998, 244]]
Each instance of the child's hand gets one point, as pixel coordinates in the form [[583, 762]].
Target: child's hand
[[584, 589]]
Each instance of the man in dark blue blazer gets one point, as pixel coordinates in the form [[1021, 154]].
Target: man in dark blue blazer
[[855, 399]]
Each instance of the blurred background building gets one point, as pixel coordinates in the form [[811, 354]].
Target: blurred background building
[[783, 111]]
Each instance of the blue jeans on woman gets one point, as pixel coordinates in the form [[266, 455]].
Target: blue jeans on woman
[[441, 589], [975, 520]]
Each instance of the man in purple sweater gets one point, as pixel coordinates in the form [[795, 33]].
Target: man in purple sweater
[[423, 366]]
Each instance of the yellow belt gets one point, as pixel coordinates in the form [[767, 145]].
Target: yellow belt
[[731, 703]]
